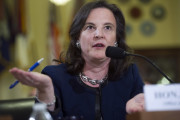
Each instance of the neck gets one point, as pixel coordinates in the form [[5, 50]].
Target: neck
[[96, 70]]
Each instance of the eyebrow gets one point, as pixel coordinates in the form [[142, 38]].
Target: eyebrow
[[89, 23], [108, 23]]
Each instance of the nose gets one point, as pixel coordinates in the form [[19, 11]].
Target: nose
[[99, 33]]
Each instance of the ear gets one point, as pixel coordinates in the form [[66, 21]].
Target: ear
[[78, 44], [115, 44]]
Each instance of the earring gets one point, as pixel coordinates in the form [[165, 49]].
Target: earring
[[115, 44], [78, 44]]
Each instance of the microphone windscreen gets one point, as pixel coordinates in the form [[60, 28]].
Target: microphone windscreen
[[115, 52]]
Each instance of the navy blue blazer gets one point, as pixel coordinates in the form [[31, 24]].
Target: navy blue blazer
[[77, 99]]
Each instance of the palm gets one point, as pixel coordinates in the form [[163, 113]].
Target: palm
[[32, 79]]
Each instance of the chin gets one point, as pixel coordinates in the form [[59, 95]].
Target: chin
[[100, 58]]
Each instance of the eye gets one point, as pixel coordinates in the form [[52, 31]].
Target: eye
[[90, 27], [108, 27]]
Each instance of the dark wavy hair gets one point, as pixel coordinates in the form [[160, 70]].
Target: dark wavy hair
[[73, 58]]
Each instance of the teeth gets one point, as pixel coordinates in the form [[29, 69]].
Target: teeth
[[98, 45]]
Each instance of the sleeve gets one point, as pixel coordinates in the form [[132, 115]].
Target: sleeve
[[57, 113], [137, 81]]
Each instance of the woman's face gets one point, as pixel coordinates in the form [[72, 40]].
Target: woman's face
[[98, 32]]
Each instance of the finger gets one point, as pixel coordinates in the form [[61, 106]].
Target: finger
[[22, 76], [26, 79], [139, 98], [40, 79], [34, 78], [16, 73], [136, 109]]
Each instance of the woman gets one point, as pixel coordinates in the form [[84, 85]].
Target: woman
[[88, 83]]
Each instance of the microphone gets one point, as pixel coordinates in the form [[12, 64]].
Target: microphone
[[115, 52], [119, 53]]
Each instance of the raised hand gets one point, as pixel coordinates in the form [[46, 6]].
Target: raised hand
[[32, 79], [42, 82]]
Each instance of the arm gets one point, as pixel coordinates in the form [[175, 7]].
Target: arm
[[136, 102], [42, 82]]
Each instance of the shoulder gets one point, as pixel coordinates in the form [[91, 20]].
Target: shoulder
[[55, 68], [132, 72], [131, 69]]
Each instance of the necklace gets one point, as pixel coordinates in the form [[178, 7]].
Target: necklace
[[93, 82]]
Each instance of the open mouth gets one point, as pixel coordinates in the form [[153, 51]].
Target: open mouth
[[99, 45]]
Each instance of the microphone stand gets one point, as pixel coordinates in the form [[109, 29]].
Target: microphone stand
[[148, 60]]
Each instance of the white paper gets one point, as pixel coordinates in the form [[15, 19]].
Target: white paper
[[162, 97]]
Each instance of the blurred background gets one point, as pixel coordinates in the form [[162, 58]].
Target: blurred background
[[34, 29]]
